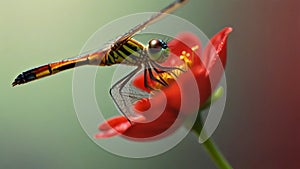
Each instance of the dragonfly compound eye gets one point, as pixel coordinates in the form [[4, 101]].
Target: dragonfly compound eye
[[158, 50]]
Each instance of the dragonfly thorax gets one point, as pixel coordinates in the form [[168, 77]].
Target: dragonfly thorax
[[158, 50]]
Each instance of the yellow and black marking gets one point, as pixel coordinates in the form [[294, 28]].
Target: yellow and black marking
[[129, 53], [55, 67]]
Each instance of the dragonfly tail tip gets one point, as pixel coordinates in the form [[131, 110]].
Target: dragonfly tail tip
[[15, 83], [20, 79]]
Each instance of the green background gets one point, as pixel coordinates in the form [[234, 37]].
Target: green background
[[260, 126]]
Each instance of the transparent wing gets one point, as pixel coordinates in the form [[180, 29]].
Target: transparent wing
[[170, 8], [119, 41], [124, 95]]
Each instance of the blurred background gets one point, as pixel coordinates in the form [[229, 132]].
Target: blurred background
[[260, 125]]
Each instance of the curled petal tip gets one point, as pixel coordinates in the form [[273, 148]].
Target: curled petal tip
[[228, 29]]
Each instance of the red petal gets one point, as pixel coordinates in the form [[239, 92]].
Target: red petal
[[142, 105], [215, 56], [112, 127], [216, 49], [147, 131], [184, 41]]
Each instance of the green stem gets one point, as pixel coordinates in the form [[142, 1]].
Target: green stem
[[209, 144], [211, 148]]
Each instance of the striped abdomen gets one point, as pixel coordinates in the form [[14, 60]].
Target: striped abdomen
[[55, 67], [129, 52]]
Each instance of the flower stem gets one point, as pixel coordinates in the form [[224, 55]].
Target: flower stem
[[211, 148], [209, 144]]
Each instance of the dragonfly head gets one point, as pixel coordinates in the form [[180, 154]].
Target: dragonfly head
[[158, 50]]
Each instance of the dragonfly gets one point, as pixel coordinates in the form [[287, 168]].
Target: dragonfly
[[123, 50]]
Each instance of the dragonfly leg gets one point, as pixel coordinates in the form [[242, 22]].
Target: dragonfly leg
[[148, 70], [116, 90], [146, 79], [163, 69], [160, 80], [166, 69]]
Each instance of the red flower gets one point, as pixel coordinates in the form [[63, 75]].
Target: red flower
[[182, 96]]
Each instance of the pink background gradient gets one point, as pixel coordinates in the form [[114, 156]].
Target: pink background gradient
[[261, 123]]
